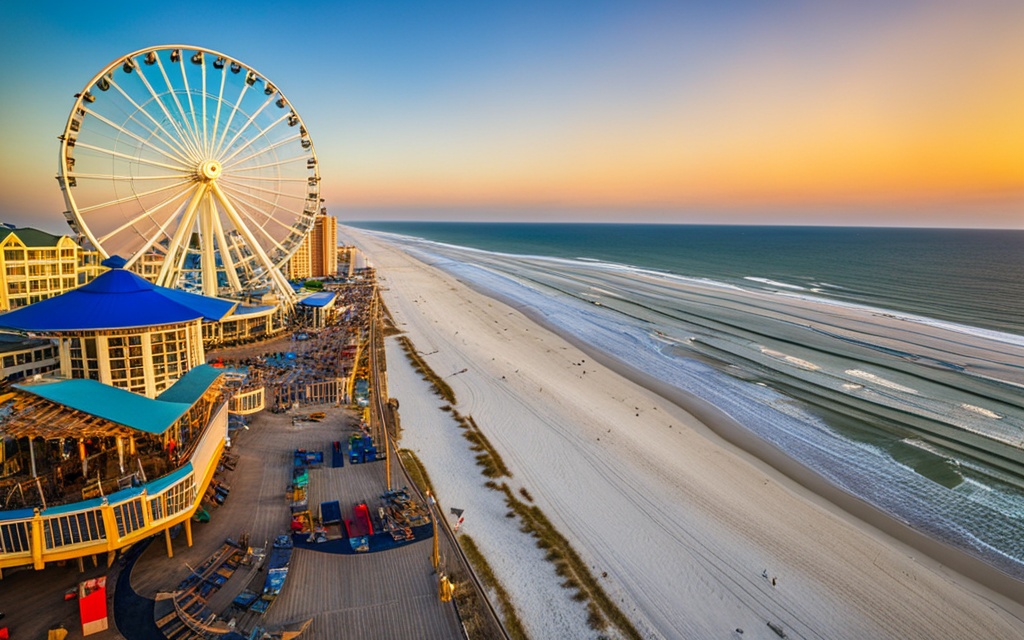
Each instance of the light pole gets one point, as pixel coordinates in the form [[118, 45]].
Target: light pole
[[435, 558]]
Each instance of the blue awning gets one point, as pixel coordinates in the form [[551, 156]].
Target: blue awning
[[318, 299], [191, 386], [110, 403]]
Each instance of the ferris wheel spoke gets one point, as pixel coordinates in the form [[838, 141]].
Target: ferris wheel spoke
[[133, 196], [231, 117], [253, 140], [236, 219], [259, 152], [181, 139], [146, 213], [248, 198], [180, 168], [244, 205], [177, 157], [245, 199], [110, 177], [175, 256], [139, 108], [236, 177], [191, 105], [248, 188], [220, 102], [187, 133], [160, 234], [280, 163], [225, 254], [248, 123], [168, 149], [206, 144]]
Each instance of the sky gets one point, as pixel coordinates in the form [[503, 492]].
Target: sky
[[898, 113]]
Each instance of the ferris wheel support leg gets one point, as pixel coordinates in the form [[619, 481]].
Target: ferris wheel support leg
[[285, 289], [206, 237], [225, 256], [171, 266]]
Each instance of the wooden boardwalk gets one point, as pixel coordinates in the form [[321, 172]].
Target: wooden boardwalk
[[388, 594]]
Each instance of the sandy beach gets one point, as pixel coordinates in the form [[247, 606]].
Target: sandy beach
[[679, 509]]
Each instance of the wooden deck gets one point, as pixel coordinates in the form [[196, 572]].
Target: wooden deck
[[389, 594]]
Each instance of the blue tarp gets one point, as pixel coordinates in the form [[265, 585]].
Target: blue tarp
[[330, 512], [116, 299]]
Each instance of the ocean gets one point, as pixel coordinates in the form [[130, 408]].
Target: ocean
[[889, 361]]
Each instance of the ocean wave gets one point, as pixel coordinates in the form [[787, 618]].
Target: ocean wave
[[981, 411], [880, 381], [775, 283], [800, 362]]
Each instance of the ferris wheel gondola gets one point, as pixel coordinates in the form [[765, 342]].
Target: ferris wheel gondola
[[192, 166]]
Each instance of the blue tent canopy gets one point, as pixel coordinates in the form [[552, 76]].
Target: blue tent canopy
[[318, 299], [116, 299]]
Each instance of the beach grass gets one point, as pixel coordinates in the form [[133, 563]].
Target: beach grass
[[483, 570], [416, 470], [441, 387], [601, 611], [487, 457]]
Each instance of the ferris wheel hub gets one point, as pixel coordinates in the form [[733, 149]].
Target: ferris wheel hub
[[210, 170]]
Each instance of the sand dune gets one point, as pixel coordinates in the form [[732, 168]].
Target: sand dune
[[683, 522]]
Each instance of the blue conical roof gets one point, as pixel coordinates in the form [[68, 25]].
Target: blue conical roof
[[116, 299]]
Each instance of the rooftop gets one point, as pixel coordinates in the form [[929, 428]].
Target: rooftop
[[123, 407], [30, 237], [318, 299], [116, 299]]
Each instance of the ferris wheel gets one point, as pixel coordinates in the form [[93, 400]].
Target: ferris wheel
[[193, 167]]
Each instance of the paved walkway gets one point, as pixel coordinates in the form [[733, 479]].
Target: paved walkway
[[391, 594]]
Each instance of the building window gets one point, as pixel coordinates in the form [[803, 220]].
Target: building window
[[168, 350], [84, 363], [126, 363]]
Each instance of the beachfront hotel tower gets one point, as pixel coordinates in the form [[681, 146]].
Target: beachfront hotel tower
[[317, 255], [124, 442]]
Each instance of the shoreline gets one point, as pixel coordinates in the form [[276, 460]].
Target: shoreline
[[856, 510], [718, 524]]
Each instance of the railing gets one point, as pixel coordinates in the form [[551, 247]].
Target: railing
[[117, 520], [248, 402]]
